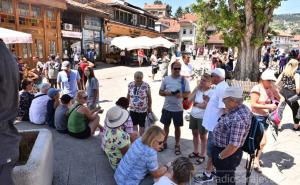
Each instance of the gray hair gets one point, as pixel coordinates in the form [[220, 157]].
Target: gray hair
[[44, 87], [138, 74]]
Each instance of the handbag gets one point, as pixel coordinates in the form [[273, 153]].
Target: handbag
[[294, 98], [150, 120], [186, 104], [276, 116]]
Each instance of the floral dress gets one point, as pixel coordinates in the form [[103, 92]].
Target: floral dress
[[24, 105], [138, 97]]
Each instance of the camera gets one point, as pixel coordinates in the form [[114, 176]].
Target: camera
[[175, 92]]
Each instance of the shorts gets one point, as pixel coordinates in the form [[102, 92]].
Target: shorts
[[210, 145], [138, 118], [52, 81], [167, 116], [263, 120], [82, 135], [155, 69], [196, 123]]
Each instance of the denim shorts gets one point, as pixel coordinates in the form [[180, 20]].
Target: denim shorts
[[210, 144], [263, 120]]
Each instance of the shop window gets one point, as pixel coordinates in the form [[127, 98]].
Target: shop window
[[7, 19], [52, 45], [50, 15], [121, 16], [23, 9], [129, 21], [39, 48], [35, 11], [6, 6], [26, 51], [117, 15], [142, 20]]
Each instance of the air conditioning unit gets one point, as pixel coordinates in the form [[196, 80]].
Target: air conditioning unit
[[68, 27]]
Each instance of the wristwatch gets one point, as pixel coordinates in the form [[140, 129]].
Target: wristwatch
[[219, 157]]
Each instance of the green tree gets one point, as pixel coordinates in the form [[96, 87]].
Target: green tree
[[187, 10], [179, 12], [158, 2], [201, 37], [169, 10], [244, 24]]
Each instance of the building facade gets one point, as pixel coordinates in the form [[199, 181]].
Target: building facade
[[282, 40], [39, 18], [159, 10]]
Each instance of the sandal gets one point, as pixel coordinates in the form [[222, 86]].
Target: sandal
[[257, 168], [200, 160], [193, 155], [177, 150]]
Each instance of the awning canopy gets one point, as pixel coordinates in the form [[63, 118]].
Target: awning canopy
[[12, 36], [71, 34], [121, 42]]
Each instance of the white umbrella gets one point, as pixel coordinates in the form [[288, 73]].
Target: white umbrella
[[162, 42], [142, 42], [121, 42], [11, 36]]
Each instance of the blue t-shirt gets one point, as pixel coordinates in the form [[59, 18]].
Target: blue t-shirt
[[137, 162], [68, 82]]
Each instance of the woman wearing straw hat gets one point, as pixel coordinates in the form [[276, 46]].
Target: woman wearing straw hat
[[117, 141]]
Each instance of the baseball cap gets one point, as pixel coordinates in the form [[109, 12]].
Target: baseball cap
[[234, 92], [65, 65], [219, 72], [52, 92], [268, 75]]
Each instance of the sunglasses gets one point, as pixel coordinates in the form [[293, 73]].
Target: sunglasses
[[177, 68]]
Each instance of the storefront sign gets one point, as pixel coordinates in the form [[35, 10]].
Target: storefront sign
[[92, 23], [71, 34]]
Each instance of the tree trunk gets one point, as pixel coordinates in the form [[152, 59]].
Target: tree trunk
[[247, 67]]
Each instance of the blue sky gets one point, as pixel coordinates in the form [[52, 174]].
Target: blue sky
[[289, 6]]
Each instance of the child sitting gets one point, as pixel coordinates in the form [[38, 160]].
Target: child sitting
[[51, 106], [61, 114]]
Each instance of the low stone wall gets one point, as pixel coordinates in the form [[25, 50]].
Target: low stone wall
[[38, 169]]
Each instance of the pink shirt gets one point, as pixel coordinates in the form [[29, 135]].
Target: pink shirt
[[266, 96]]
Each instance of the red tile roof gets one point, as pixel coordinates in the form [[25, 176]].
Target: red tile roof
[[174, 26], [215, 39], [155, 6], [189, 17]]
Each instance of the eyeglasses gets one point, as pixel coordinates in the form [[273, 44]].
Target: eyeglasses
[[176, 68]]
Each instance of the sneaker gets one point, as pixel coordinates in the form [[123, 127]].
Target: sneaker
[[214, 173], [203, 178]]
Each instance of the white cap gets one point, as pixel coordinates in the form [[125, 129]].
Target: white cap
[[234, 92], [218, 71], [268, 75], [65, 65]]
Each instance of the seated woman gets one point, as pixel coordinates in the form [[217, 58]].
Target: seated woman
[[117, 141], [25, 98], [182, 172], [141, 158], [82, 122]]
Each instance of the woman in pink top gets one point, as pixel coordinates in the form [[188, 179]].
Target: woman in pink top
[[264, 99]]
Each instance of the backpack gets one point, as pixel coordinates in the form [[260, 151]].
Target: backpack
[[53, 69], [252, 144]]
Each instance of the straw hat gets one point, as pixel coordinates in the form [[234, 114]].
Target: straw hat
[[116, 116]]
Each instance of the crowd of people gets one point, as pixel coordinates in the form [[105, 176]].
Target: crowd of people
[[68, 101]]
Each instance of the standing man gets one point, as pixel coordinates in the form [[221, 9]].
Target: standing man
[[229, 136], [141, 56], [266, 58], [68, 80], [187, 68], [174, 88], [154, 63], [51, 70], [214, 109], [9, 137]]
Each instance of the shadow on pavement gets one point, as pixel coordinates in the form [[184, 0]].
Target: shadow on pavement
[[282, 160]]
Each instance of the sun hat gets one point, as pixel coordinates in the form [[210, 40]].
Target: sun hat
[[234, 92], [65, 65], [268, 75], [219, 72], [116, 116], [52, 92]]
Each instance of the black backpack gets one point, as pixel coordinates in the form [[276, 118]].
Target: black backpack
[[252, 144]]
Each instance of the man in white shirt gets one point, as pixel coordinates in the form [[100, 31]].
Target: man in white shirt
[[214, 109], [186, 68], [38, 107]]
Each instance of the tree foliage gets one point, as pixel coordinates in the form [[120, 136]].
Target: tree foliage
[[169, 10], [179, 12], [201, 37], [158, 2], [187, 10]]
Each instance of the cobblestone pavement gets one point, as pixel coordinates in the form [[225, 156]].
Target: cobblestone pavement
[[81, 162]]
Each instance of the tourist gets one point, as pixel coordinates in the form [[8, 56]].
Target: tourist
[[21, 70], [140, 101], [266, 58], [123, 57], [84, 64], [61, 114], [141, 159], [52, 105], [39, 65], [165, 64], [141, 57], [82, 122], [290, 87], [92, 88], [282, 62], [186, 67], [264, 98], [68, 80], [229, 135], [25, 99], [214, 109], [38, 107], [51, 70], [154, 63], [196, 117], [182, 172], [116, 140], [174, 88], [9, 136]]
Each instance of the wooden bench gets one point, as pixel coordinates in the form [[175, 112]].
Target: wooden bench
[[246, 85]]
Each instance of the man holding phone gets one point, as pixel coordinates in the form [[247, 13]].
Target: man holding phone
[[174, 88]]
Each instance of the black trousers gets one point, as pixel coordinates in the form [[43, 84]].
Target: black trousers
[[286, 93], [226, 168]]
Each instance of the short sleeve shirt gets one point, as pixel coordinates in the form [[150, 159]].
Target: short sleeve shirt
[[164, 181], [115, 140], [153, 60], [138, 97], [69, 82], [171, 84], [197, 112], [38, 109], [24, 105], [215, 106], [186, 70], [92, 85], [139, 160], [265, 97], [60, 117]]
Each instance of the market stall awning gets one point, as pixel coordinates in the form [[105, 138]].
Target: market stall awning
[[121, 42], [162, 42], [12, 36]]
